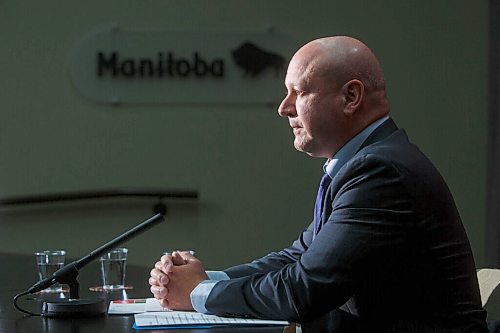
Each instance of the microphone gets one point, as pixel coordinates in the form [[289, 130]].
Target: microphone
[[68, 274]]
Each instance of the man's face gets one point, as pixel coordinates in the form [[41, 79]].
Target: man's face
[[313, 106]]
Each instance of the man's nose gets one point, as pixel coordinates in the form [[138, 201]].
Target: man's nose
[[287, 107]]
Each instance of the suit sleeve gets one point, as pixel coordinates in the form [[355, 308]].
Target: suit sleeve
[[276, 260], [368, 220]]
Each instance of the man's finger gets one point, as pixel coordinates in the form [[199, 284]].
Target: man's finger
[[159, 291], [182, 257], [158, 282], [166, 258], [178, 258], [159, 276], [154, 291], [165, 264], [187, 254], [153, 282], [154, 272], [164, 303]]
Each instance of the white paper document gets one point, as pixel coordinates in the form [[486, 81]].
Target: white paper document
[[128, 306], [153, 305], [176, 318]]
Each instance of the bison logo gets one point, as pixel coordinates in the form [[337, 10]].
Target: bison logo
[[255, 60]]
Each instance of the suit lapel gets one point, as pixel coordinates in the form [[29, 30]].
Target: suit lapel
[[384, 130]]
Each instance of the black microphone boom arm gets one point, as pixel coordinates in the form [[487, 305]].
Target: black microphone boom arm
[[69, 273]]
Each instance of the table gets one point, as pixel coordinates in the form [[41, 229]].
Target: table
[[18, 273]]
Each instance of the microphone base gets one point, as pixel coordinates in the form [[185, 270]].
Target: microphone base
[[74, 308]]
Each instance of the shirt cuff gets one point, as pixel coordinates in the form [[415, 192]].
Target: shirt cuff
[[217, 275], [200, 294]]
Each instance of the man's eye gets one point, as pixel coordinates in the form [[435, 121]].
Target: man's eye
[[295, 92]]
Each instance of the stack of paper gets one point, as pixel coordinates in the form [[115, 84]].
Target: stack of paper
[[150, 315], [127, 306], [182, 319]]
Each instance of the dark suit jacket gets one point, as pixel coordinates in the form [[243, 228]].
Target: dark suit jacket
[[391, 256]]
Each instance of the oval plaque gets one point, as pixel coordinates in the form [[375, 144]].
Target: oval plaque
[[117, 66]]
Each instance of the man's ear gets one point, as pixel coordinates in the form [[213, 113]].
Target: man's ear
[[354, 92]]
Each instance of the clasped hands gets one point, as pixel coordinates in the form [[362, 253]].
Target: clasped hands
[[174, 277]]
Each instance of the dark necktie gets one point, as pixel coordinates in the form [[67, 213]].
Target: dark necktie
[[318, 208]]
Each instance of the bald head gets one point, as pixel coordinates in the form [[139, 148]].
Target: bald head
[[343, 58], [335, 89]]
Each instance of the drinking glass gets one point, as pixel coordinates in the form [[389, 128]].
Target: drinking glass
[[47, 263], [113, 267]]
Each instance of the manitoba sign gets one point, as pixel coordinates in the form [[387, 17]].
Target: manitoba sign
[[158, 67]]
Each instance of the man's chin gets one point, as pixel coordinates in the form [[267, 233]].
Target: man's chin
[[307, 149], [300, 146]]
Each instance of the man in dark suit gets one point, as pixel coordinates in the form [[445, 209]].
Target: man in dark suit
[[386, 252]]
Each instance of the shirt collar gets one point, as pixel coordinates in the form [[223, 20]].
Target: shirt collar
[[333, 165]]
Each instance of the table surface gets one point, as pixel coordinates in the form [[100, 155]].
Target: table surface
[[18, 273]]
